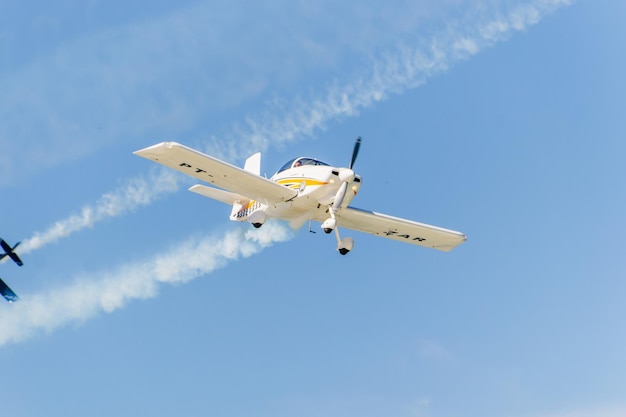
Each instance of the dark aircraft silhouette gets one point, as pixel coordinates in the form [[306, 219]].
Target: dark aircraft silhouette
[[7, 292], [8, 250]]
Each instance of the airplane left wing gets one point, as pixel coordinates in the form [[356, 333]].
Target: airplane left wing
[[217, 172], [7, 293], [399, 229]]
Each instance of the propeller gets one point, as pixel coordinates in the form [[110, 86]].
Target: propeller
[[355, 151], [347, 176]]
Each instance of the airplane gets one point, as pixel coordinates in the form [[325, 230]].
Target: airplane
[[5, 291], [8, 250], [304, 189]]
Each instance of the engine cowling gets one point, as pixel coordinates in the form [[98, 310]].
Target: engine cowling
[[346, 175]]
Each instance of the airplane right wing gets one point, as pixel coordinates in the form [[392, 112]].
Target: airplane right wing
[[399, 229], [218, 173], [7, 293]]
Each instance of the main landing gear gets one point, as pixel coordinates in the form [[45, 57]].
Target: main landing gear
[[344, 245]]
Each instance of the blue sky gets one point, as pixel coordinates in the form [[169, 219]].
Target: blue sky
[[501, 119]]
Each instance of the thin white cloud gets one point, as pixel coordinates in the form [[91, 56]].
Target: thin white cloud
[[139, 74], [106, 292], [166, 75]]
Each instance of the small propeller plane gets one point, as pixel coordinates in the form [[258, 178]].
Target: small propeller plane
[[304, 189], [5, 291], [10, 251]]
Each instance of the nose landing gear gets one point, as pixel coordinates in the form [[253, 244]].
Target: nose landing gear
[[344, 245]]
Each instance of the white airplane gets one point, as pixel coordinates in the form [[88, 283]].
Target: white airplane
[[304, 189]]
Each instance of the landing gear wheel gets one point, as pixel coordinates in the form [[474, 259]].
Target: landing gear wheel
[[257, 225], [345, 245]]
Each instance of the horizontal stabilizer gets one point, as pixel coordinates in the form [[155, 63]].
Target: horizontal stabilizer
[[7, 293], [219, 195]]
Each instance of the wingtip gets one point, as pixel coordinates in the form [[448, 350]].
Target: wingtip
[[153, 149]]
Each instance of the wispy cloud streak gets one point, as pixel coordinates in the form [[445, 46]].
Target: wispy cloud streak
[[110, 291], [393, 73]]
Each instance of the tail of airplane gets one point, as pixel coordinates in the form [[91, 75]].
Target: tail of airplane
[[7, 292], [242, 209], [253, 164]]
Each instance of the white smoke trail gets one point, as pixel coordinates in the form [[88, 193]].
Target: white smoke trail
[[136, 192], [107, 292]]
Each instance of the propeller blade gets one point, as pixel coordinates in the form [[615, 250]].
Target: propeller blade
[[341, 193], [346, 175], [355, 151]]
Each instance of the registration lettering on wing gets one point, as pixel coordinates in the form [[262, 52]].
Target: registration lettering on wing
[[394, 233], [197, 170]]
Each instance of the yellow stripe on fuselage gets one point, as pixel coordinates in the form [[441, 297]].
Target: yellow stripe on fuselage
[[296, 182], [248, 206]]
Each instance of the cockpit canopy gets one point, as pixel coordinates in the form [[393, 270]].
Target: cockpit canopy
[[296, 162]]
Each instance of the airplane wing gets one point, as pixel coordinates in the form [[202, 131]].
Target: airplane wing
[[7, 293], [16, 258], [10, 252], [218, 173], [398, 229]]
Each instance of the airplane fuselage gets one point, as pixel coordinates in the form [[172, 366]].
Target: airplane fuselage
[[317, 187]]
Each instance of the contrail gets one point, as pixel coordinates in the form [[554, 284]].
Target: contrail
[[109, 291], [134, 193], [396, 73]]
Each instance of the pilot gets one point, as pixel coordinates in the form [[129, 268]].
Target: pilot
[[297, 164]]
